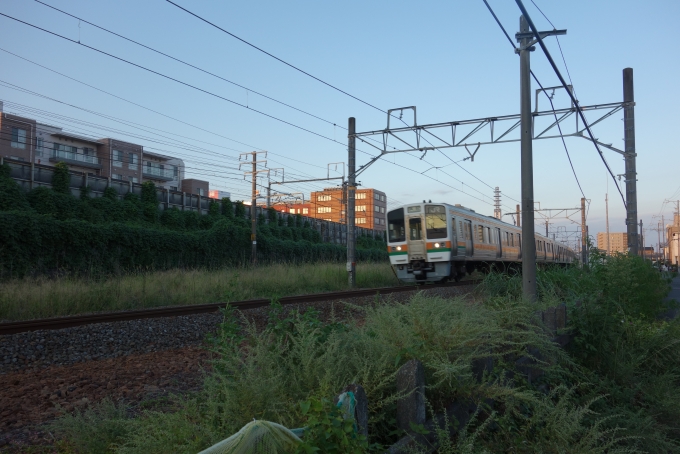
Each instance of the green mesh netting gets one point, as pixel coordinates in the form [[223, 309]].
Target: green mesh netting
[[264, 437]]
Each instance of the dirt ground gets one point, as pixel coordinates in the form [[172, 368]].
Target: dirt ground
[[30, 398]]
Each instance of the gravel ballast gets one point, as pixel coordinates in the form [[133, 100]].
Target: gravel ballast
[[39, 349]]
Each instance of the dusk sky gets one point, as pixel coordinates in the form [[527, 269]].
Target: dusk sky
[[449, 59]]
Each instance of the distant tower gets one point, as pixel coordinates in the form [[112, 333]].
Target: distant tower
[[497, 203]]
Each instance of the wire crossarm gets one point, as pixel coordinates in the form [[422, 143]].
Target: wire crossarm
[[480, 131]]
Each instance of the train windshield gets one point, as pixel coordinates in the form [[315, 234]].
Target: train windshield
[[395, 221], [435, 221]]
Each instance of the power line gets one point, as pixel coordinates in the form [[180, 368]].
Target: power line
[[571, 95], [558, 43], [274, 56], [154, 111], [169, 77], [186, 63], [192, 86], [559, 127]]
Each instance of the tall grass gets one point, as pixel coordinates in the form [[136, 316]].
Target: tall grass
[[29, 298], [264, 375], [615, 390]]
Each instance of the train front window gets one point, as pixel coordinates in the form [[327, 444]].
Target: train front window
[[397, 231], [435, 221]]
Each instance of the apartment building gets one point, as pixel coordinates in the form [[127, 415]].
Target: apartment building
[[25, 139], [370, 207], [617, 242], [193, 186]]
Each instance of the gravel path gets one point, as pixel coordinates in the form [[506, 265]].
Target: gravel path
[[46, 373]]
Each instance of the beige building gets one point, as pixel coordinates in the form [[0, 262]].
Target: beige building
[[617, 242], [672, 249]]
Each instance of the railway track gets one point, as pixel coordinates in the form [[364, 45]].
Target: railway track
[[175, 311]]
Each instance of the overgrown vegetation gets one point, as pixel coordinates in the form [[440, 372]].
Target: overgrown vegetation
[[615, 390], [23, 299], [51, 232]]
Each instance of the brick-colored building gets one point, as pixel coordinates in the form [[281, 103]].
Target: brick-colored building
[[618, 242], [370, 207], [193, 186], [24, 139]]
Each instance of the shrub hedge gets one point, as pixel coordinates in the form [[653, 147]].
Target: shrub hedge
[[45, 231]]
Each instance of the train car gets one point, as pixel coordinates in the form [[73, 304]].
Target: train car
[[437, 241]]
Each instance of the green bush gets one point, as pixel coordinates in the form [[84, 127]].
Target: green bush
[[61, 179], [109, 235], [12, 197]]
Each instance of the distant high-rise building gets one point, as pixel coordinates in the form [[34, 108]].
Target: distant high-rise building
[[370, 207], [617, 242]]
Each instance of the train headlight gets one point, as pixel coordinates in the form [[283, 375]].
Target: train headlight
[[436, 245], [398, 248]]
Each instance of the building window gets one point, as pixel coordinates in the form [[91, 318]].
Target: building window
[[361, 195], [201, 191], [383, 198], [133, 161], [376, 208], [133, 179], [382, 209], [360, 220], [360, 208], [175, 172], [323, 210], [19, 138], [116, 176], [88, 151], [39, 147], [305, 211], [376, 196], [117, 158], [173, 188], [292, 211], [323, 198]]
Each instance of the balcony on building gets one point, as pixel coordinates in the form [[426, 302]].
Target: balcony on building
[[77, 156], [156, 173]]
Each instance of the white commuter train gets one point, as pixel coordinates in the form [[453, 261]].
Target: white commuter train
[[438, 241]]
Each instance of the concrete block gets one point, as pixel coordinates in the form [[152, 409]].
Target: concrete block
[[411, 385]]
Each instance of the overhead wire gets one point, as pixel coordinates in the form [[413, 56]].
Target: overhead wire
[[280, 60], [186, 63], [274, 56], [571, 95], [158, 73], [185, 83], [544, 92]]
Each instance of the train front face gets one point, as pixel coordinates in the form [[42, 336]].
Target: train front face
[[419, 242]]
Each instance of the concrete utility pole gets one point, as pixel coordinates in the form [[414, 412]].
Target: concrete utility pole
[[631, 173], [584, 233], [351, 189], [528, 241], [526, 37], [606, 211], [253, 202], [253, 216]]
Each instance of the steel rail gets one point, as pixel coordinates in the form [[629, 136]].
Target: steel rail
[[176, 311]]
